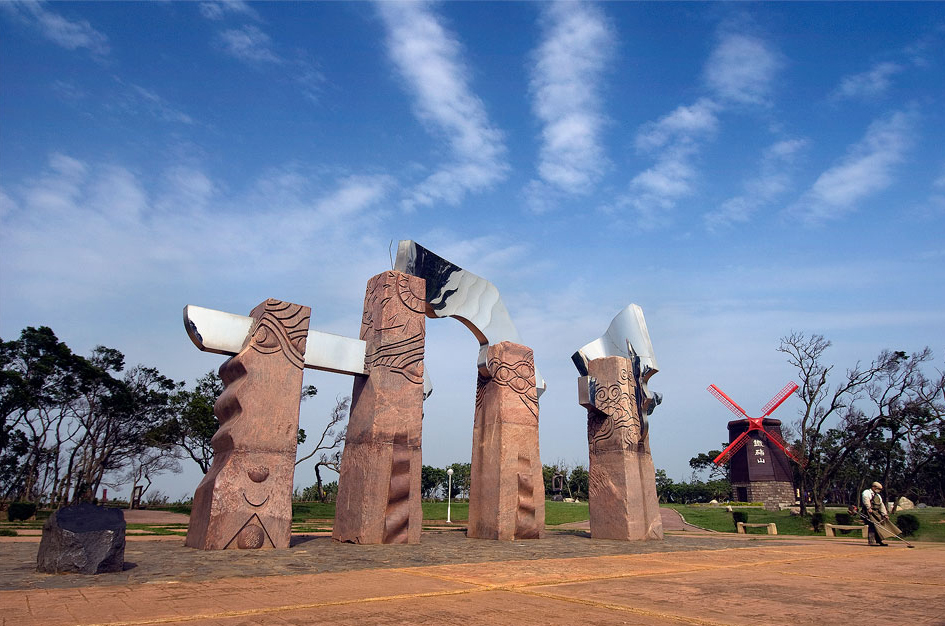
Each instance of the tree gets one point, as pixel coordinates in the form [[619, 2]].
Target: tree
[[579, 482], [461, 474], [860, 403], [431, 480], [69, 421], [548, 472], [193, 423], [664, 486], [331, 441], [705, 461]]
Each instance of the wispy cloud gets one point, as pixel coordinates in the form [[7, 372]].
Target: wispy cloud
[[565, 85], [867, 168], [219, 10], [248, 44], [64, 32], [872, 83], [429, 59], [254, 47], [106, 225], [741, 69], [774, 180], [158, 106], [940, 181], [675, 139]]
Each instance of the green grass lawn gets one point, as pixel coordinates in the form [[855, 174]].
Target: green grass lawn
[[931, 520]]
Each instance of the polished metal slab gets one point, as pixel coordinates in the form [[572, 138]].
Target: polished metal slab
[[224, 333], [455, 292], [627, 336]]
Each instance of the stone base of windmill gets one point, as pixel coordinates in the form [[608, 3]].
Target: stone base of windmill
[[775, 495]]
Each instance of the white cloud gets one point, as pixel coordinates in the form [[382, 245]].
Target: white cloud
[[7, 205], [105, 227], [248, 44], [940, 181], [253, 46], [429, 59], [685, 124], [870, 84], [158, 106], [866, 169], [218, 10], [565, 90], [677, 139], [741, 69], [69, 34], [774, 179]]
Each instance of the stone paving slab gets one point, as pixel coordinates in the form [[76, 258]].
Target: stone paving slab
[[778, 589], [702, 580], [168, 559]]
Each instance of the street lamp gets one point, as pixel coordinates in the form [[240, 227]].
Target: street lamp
[[449, 492]]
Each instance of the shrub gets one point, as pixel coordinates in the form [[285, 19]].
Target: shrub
[[739, 516], [817, 521], [7, 532], [907, 523], [21, 511], [844, 519]]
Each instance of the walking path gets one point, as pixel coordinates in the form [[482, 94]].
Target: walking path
[[708, 579]]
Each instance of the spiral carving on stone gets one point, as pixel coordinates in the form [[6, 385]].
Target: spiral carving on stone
[[395, 331], [616, 417], [519, 377], [282, 326]]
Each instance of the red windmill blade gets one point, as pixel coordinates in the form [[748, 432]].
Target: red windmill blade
[[778, 398], [755, 423]]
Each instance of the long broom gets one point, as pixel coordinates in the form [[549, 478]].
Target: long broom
[[866, 520]]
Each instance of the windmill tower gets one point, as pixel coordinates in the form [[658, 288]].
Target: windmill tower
[[760, 470]]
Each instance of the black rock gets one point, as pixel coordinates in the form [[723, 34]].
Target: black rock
[[84, 539]]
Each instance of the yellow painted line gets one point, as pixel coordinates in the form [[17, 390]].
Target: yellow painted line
[[281, 609], [691, 569], [623, 608], [866, 580]]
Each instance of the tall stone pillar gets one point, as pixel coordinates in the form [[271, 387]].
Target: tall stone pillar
[[507, 492], [622, 499], [245, 500], [379, 486]]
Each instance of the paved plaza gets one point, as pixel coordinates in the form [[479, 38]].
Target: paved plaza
[[568, 578]]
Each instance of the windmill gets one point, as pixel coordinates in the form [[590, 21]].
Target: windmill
[[759, 471]]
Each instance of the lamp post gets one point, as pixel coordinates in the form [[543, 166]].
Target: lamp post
[[449, 493]]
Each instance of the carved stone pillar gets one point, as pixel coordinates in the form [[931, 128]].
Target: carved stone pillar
[[507, 493], [245, 500], [622, 499], [379, 486]]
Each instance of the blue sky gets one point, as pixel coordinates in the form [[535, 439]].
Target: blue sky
[[739, 170]]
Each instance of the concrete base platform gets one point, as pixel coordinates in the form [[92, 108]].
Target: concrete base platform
[[694, 579]]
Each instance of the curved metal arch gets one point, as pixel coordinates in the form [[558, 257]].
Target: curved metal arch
[[455, 292]]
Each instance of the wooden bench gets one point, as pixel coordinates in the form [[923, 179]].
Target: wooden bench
[[772, 527], [831, 528]]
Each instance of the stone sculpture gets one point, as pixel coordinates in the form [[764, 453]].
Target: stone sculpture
[[507, 494], [507, 491], [84, 539], [379, 486], [615, 370], [226, 333], [245, 500]]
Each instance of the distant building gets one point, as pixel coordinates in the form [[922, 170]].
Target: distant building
[[761, 472]]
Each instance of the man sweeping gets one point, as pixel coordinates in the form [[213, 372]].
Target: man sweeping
[[874, 513]]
